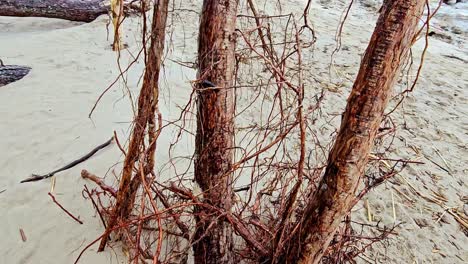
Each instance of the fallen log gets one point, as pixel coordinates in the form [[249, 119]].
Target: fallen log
[[12, 73], [74, 10]]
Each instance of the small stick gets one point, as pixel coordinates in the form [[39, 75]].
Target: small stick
[[35, 177], [65, 210], [2, 191], [95, 205], [404, 195], [23, 236], [393, 207], [369, 213], [118, 144], [440, 155], [52, 185], [442, 215], [438, 165]]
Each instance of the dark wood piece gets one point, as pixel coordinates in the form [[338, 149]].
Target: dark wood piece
[[72, 164], [12, 73], [74, 10]]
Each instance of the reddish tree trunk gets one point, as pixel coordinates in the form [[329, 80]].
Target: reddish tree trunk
[[147, 109], [215, 128], [389, 45]]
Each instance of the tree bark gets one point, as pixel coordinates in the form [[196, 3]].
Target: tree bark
[[74, 10], [12, 73], [215, 130], [335, 195], [147, 109]]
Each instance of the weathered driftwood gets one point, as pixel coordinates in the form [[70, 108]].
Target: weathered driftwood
[[74, 10], [70, 165], [12, 73]]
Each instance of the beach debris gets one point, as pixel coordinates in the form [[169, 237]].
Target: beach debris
[[443, 159], [65, 210], [52, 184], [438, 165], [12, 73], [23, 235], [393, 208], [369, 212], [36, 177], [440, 200], [74, 10]]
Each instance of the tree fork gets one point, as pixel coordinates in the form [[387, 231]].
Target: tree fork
[[390, 44], [215, 130]]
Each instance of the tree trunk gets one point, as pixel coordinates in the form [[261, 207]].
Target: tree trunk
[[12, 73], [74, 10], [147, 109], [388, 47], [215, 130]]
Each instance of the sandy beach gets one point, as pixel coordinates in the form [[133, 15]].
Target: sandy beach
[[45, 124]]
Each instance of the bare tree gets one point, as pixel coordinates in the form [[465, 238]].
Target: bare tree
[[336, 194], [294, 217], [215, 130]]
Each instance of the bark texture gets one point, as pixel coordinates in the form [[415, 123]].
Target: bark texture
[[12, 73], [215, 129], [389, 45], [147, 110], [74, 10]]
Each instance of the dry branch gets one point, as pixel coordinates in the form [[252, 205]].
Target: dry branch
[[72, 164], [65, 210], [87, 175]]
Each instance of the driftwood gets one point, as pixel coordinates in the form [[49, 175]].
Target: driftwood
[[74, 10], [72, 164], [11, 73]]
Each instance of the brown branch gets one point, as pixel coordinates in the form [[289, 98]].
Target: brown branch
[[95, 205], [65, 210], [87, 175], [244, 232]]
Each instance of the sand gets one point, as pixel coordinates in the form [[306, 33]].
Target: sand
[[44, 125]]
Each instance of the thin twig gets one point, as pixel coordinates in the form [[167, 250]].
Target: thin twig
[[95, 205], [65, 210]]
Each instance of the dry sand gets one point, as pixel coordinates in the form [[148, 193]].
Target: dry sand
[[44, 124]]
